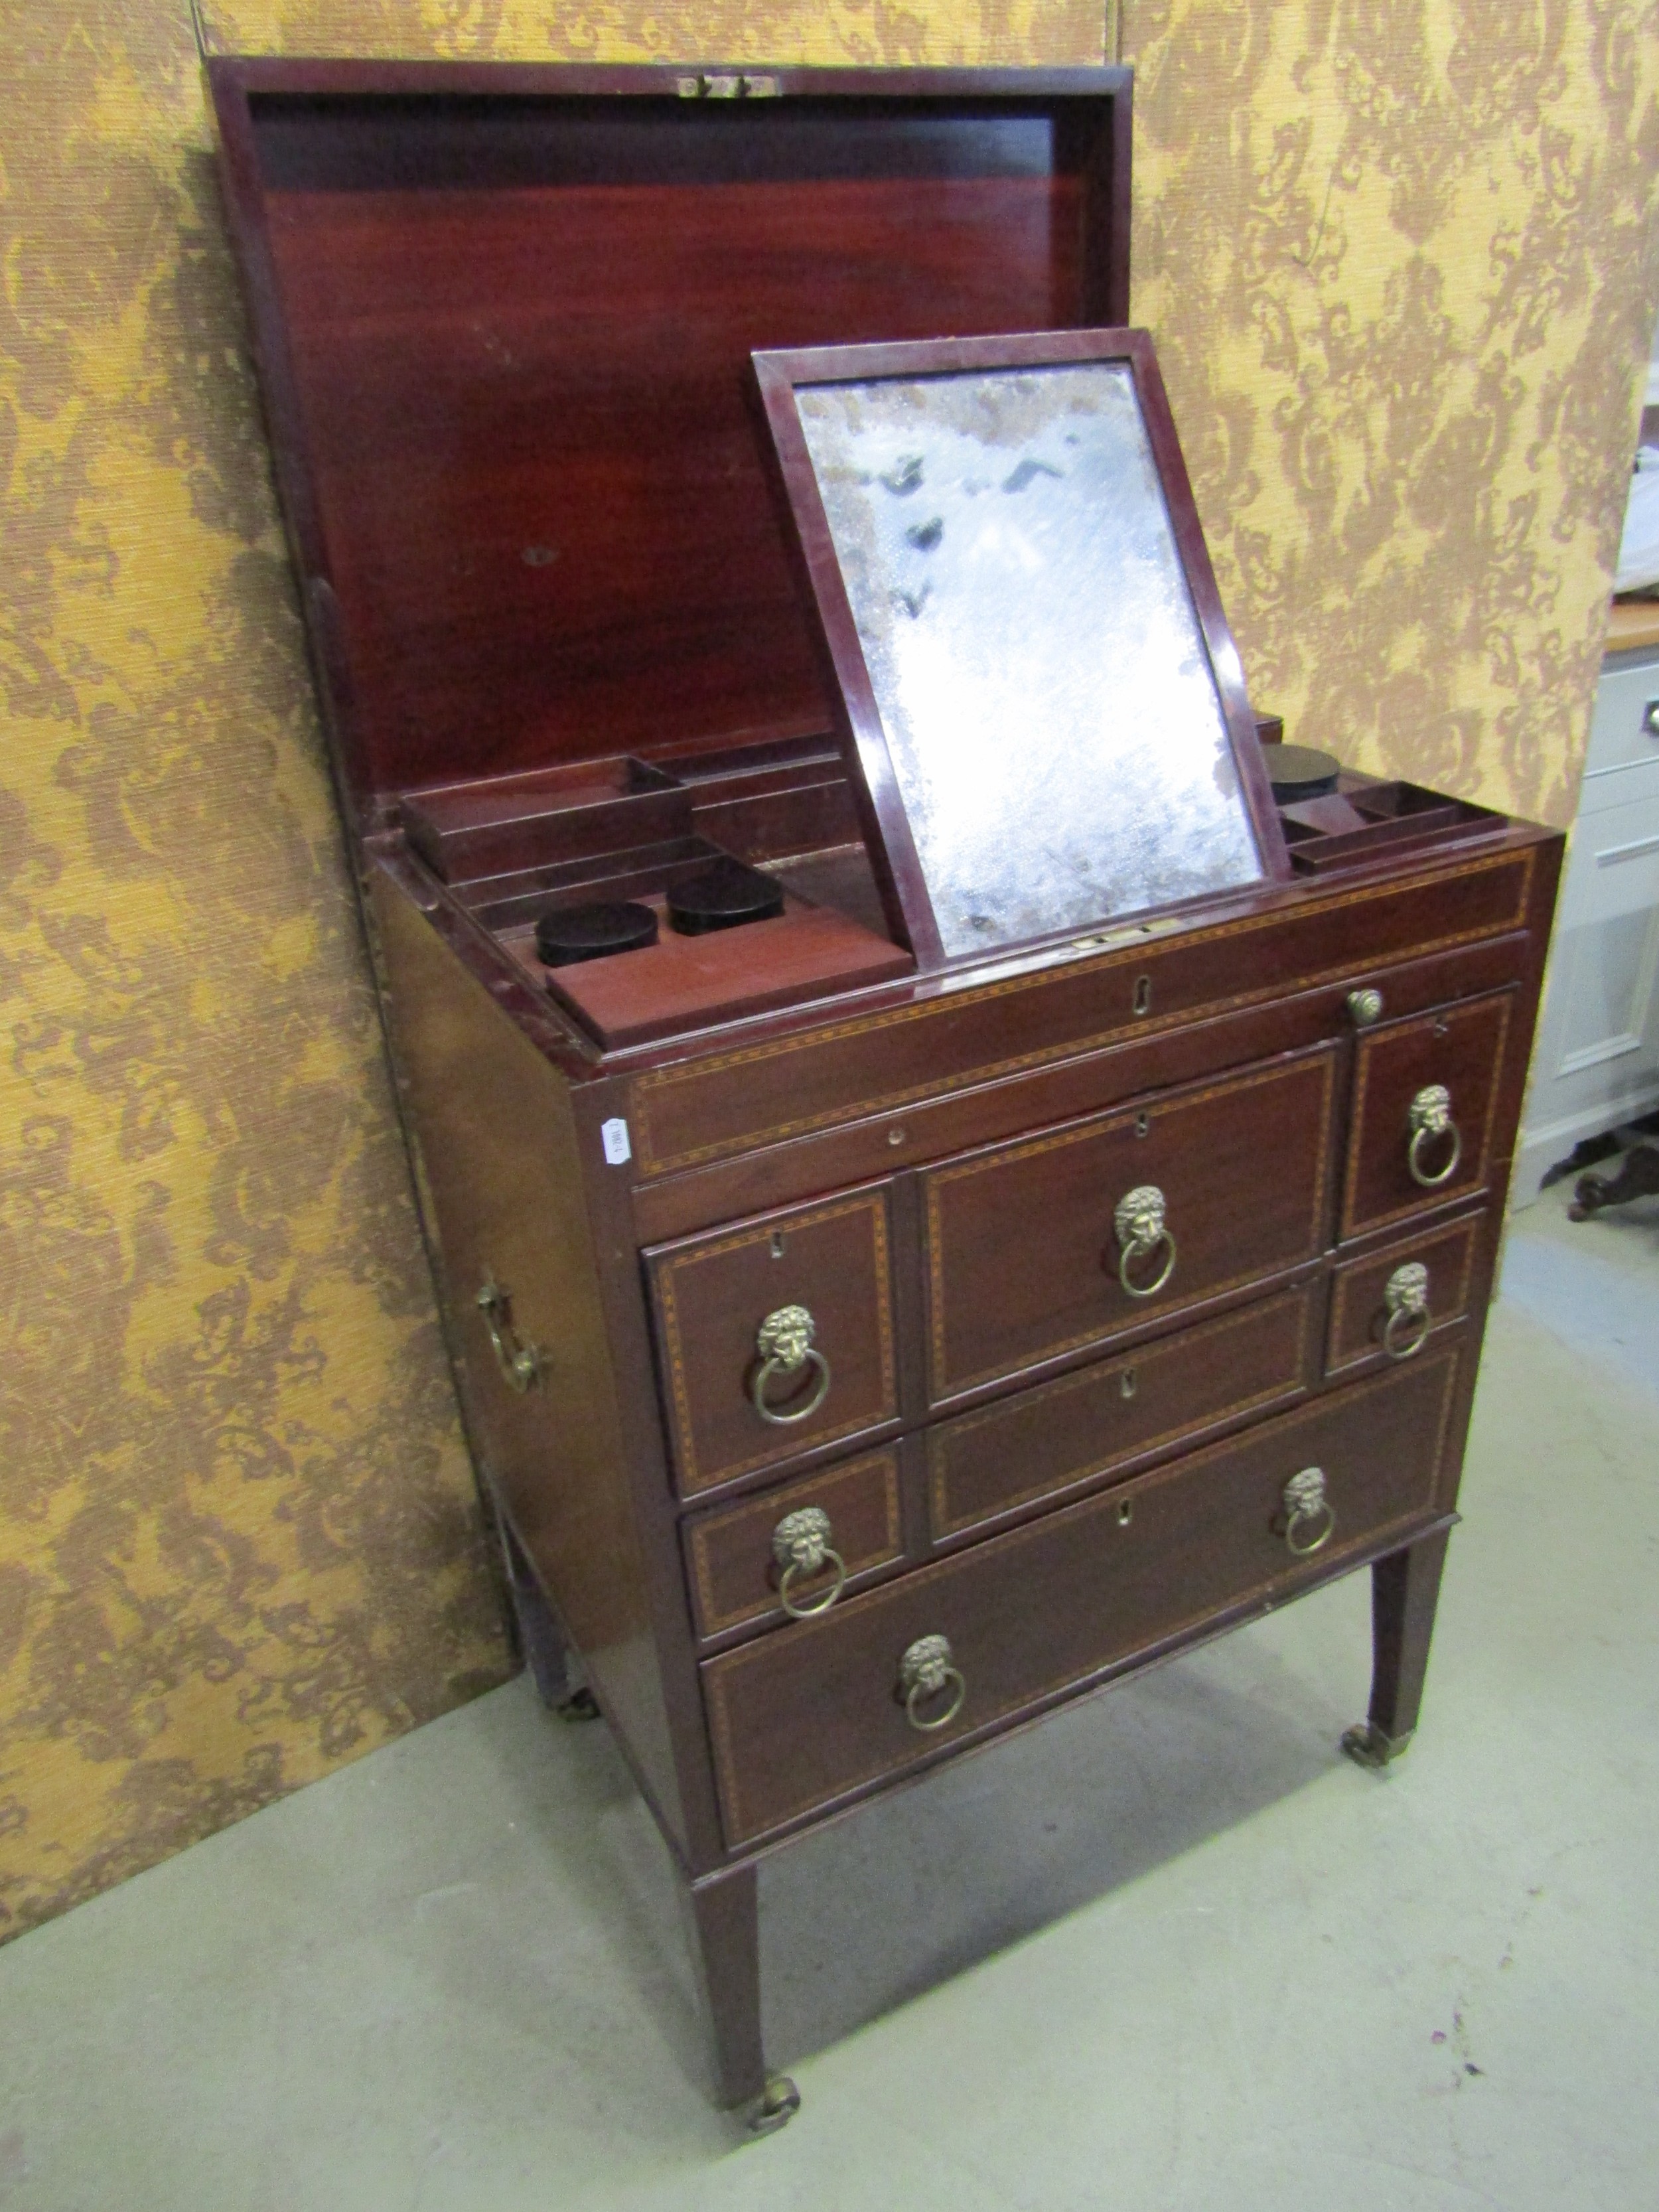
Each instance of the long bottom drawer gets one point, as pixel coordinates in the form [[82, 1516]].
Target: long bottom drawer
[[806, 1716]]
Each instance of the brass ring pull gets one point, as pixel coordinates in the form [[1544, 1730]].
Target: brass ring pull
[[1138, 1222], [783, 1346], [1306, 1506], [800, 1545], [1429, 1118], [520, 1365], [926, 1669], [1406, 1294]]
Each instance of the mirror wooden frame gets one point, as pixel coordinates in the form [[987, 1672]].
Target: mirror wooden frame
[[779, 379]]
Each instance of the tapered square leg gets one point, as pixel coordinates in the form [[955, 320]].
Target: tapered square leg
[[723, 1911], [1405, 1587], [539, 1639]]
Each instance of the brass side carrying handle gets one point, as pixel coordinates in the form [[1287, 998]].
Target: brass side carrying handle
[[1141, 1232], [1406, 1296], [783, 1346], [926, 1669], [800, 1545], [1429, 1118], [521, 1365], [1307, 1507]]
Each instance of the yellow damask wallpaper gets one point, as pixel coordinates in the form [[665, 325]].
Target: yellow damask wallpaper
[[1399, 262]]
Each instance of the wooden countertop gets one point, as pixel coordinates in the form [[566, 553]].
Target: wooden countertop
[[1633, 622]]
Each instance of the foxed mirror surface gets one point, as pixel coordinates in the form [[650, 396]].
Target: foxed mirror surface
[[1042, 681]]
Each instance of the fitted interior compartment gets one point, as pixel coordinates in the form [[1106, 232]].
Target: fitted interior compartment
[[487, 826], [1363, 820], [627, 830]]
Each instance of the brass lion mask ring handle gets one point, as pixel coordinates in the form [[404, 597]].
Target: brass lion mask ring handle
[[926, 1671], [1406, 1297], [1310, 1516], [1141, 1235], [783, 1348], [800, 1545], [1429, 1118]]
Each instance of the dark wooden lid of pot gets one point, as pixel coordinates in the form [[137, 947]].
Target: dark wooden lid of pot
[[1299, 772], [567, 934], [724, 897]]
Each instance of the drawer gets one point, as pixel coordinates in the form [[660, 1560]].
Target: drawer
[[1050, 1438], [715, 1106], [1619, 735], [804, 1717], [735, 1572], [1400, 1159], [1620, 787], [1032, 1251], [776, 1336], [1377, 1309]]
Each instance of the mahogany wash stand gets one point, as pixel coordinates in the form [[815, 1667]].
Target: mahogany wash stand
[[836, 1417]]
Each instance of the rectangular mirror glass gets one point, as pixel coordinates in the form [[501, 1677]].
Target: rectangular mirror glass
[[1053, 729]]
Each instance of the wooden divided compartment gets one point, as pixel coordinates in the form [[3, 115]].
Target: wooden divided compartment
[[629, 829]]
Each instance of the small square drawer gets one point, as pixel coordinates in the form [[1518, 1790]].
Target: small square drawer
[[776, 1335], [806, 1715], [1389, 1306], [1425, 1096], [1039, 1248], [795, 1549], [1049, 1439]]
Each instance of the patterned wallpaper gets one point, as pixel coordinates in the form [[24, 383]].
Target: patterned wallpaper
[[1400, 264]]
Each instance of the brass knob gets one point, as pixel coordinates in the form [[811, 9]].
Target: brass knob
[[1141, 1232], [800, 1545], [1406, 1296], [1364, 1007], [1429, 1118], [926, 1669], [521, 1365], [1306, 1507], [783, 1346]]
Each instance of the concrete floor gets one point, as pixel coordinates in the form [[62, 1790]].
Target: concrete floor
[[1168, 1951]]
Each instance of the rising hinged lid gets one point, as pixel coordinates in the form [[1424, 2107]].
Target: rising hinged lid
[[503, 315]]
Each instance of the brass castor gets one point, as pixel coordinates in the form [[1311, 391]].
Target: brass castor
[[577, 1706], [776, 2106], [1367, 1746]]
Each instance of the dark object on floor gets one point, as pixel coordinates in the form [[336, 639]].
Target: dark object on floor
[[1299, 772], [567, 934], [725, 898], [1585, 1154], [1638, 1177]]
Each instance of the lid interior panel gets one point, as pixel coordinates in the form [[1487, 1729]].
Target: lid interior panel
[[517, 331]]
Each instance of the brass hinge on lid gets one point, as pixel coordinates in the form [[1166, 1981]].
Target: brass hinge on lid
[[705, 87]]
